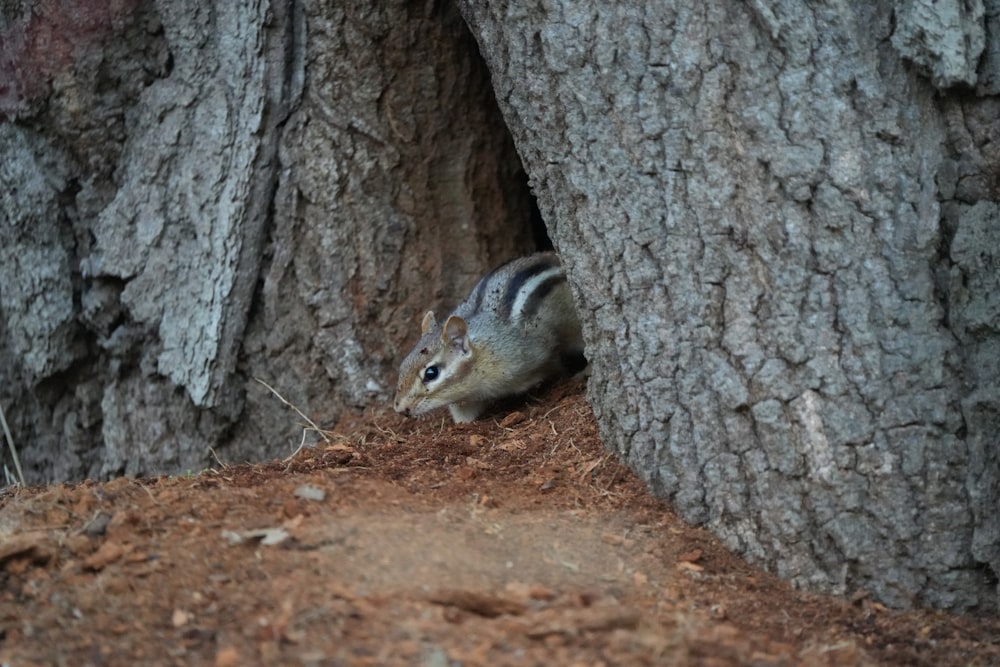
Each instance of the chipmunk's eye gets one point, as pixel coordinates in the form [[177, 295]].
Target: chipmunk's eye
[[431, 373]]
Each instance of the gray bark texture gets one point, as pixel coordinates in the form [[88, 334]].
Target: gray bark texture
[[194, 195], [780, 220]]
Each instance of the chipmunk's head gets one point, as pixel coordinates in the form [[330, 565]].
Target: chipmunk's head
[[433, 374]]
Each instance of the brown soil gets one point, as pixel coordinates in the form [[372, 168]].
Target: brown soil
[[515, 540]]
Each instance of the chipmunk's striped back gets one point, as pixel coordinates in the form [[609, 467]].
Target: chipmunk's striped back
[[516, 290], [515, 329]]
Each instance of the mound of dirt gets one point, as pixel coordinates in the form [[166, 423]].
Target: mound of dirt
[[515, 540]]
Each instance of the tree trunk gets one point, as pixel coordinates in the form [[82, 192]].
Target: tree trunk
[[193, 195], [795, 324]]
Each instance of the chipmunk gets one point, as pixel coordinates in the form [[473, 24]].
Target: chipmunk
[[516, 328]]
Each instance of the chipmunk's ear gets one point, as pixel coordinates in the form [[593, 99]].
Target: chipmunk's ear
[[456, 334], [428, 323]]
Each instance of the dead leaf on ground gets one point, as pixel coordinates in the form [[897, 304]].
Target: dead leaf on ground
[[689, 566], [478, 464], [512, 445], [692, 556], [513, 418]]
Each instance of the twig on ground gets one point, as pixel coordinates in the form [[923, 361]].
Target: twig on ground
[[217, 459], [12, 448], [302, 443], [301, 414], [148, 492], [388, 432]]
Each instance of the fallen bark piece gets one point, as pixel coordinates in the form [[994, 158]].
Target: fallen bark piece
[[36, 548], [571, 623], [481, 604]]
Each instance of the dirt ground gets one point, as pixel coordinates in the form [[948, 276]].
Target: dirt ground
[[516, 540]]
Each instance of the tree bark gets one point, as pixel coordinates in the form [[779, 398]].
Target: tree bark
[[795, 325], [197, 194]]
